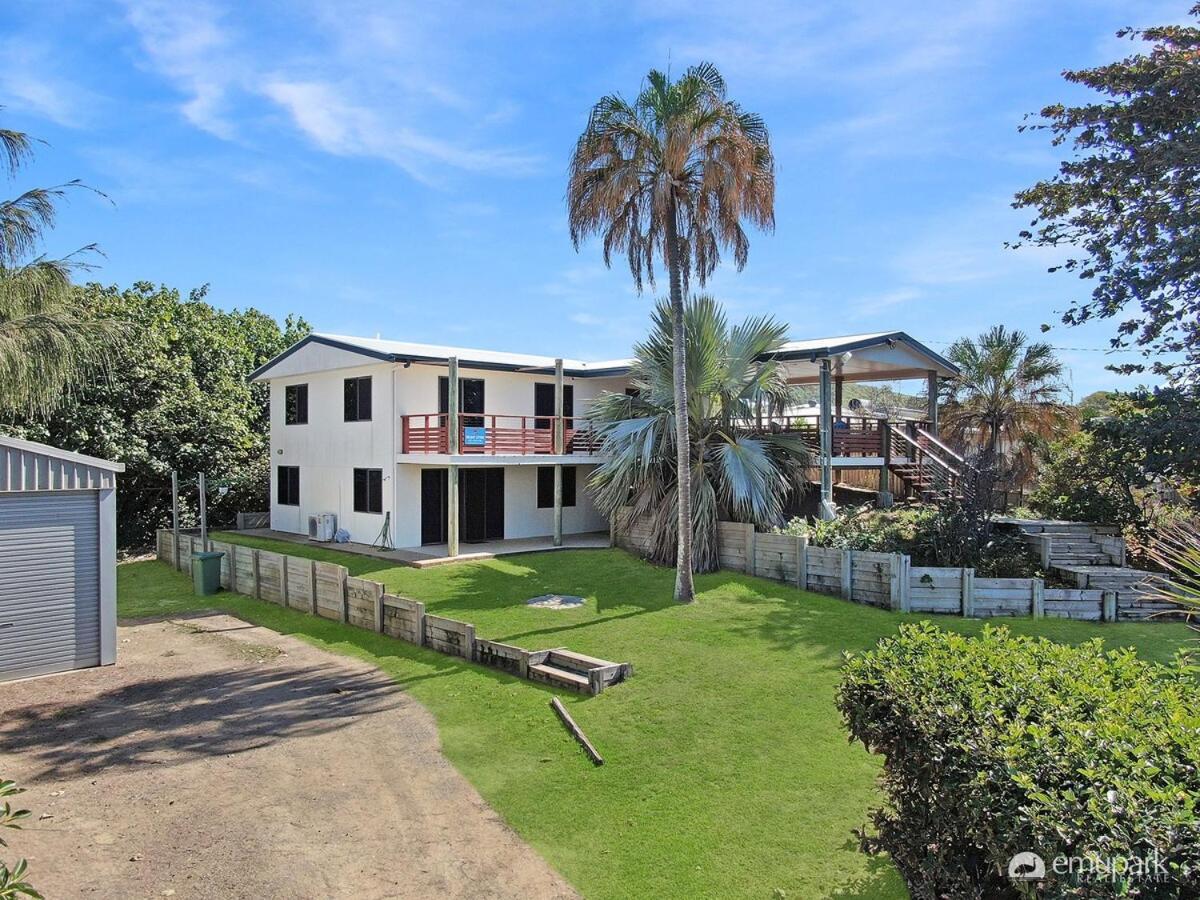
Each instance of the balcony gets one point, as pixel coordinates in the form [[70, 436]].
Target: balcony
[[853, 436], [491, 434]]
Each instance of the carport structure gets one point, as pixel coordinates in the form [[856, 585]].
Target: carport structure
[[58, 556], [908, 448]]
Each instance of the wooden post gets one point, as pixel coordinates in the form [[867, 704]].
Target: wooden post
[[254, 570], [837, 396], [203, 515], [283, 580], [378, 606], [1037, 606], [312, 587], [968, 592], [848, 574], [751, 551], [802, 562], [885, 498], [576, 731], [931, 382], [452, 434], [175, 518], [905, 583], [895, 597], [1108, 606], [828, 510], [343, 574]]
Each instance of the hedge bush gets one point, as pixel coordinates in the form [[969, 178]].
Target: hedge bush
[[998, 744]]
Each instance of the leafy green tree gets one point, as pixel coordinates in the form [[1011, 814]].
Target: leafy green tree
[[181, 402], [1125, 202], [673, 174], [736, 474], [1084, 479], [1095, 404], [1161, 430], [1008, 392], [46, 348]]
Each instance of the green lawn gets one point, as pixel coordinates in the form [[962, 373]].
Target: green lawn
[[728, 772]]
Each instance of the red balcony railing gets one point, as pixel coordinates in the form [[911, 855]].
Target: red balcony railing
[[493, 434], [852, 435]]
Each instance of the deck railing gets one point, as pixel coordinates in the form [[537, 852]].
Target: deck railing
[[494, 434]]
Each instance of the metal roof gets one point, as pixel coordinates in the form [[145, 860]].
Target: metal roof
[[30, 466], [404, 351]]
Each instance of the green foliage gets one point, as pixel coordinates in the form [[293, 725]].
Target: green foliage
[[999, 744], [12, 881], [1124, 203], [736, 475], [1147, 446], [47, 348], [1176, 549], [931, 535], [1008, 395], [181, 401]]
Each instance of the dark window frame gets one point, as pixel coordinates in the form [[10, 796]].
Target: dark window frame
[[545, 487], [368, 491], [357, 408], [287, 485], [295, 412]]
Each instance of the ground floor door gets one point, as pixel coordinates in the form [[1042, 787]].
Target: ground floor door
[[434, 491], [49, 583], [480, 505]]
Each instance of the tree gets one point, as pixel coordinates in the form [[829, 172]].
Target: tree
[[46, 348], [1008, 391], [1126, 201], [737, 474], [182, 402], [672, 175]]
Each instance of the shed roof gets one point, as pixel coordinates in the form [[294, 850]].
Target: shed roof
[[30, 466]]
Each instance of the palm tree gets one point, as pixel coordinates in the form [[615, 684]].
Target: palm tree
[[46, 346], [736, 473], [1008, 394], [673, 174]]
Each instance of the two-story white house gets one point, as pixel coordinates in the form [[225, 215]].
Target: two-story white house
[[364, 428]]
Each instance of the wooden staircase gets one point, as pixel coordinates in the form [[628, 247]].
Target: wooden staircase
[[931, 470], [563, 668]]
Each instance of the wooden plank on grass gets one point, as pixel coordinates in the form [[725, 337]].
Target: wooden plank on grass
[[576, 731]]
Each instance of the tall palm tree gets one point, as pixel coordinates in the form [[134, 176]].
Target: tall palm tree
[[736, 473], [1008, 392], [672, 175], [46, 346]]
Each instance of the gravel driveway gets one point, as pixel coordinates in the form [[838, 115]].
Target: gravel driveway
[[220, 759]]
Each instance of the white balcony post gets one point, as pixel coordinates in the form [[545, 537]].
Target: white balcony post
[[559, 449], [452, 435], [828, 510]]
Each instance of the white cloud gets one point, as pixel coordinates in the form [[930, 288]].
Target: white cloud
[[353, 82], [29, 82]]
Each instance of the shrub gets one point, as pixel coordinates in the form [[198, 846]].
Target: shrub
[[998, 745]]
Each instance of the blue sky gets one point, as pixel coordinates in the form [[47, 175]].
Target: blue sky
[[399, 168]]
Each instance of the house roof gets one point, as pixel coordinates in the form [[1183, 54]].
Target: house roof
[[30, 466], [405, 351], [874, 356], [911, 357]]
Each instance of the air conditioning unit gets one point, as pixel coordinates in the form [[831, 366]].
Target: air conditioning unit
[[322, 527]]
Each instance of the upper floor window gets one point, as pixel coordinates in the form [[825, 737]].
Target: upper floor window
[[368, 490], [295, 404], [288, 486], [358, 399]]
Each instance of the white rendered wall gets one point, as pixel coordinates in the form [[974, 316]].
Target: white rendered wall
[[329, 449]]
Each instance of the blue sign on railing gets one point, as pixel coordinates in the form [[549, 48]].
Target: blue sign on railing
[[474, 436]]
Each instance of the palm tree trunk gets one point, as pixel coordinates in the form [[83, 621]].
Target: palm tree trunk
[[685, 591]]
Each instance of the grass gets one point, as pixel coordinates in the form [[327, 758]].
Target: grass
[[728, 771]]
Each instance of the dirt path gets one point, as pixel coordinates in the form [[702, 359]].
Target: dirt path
[[218, 759]]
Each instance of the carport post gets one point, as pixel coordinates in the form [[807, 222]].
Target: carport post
[[203, 514], [559, 449], [827, 510], [452, 436]]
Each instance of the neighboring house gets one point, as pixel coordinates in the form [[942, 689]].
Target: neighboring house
[[363, 428]]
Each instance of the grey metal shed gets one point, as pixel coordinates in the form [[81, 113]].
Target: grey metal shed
[[58, 559]]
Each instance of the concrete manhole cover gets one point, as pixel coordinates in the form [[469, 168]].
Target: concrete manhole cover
[[555, 601]]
